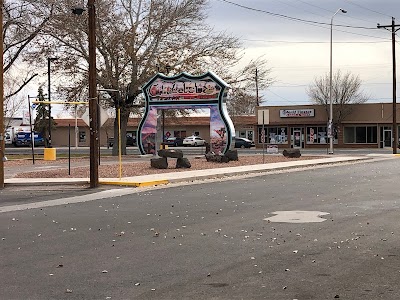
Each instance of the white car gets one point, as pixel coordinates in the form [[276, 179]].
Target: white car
[[193, 141], [7, 138]]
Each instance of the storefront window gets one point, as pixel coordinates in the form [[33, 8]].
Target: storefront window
[[180, 133], [360, 134], [317, 135], [248, 134], [273, 135], [82, 136]]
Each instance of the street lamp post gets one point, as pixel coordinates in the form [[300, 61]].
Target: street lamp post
[[49, 60], [330, 124]]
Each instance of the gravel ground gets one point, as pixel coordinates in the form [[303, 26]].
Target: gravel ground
[[110, 167]]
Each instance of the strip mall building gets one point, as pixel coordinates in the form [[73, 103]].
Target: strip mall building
[[305, 126], [367, 126]]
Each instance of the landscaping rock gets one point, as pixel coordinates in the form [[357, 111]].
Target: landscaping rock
[[170, 153], [232, 155], [183, 163], [291, 153], [159, 163]]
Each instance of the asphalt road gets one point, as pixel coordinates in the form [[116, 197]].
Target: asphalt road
[[210, 240]]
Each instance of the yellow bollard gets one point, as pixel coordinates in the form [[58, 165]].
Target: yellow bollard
[[49, 154], [162, 146]]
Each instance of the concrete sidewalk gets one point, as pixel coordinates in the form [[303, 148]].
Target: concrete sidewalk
[[185, 176]]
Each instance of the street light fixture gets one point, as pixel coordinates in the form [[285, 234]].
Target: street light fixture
[[49, 60], [330, 124]]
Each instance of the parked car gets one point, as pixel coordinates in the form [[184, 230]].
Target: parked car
[[243, 143], [174, 141], [130, 141], [7, 138], [24, 139], [193, 141]]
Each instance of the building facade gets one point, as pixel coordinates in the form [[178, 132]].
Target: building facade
[[64, 133], [305, 126]]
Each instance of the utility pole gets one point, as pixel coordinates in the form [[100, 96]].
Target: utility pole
[[2, 143], [93, 116], [394, 126]]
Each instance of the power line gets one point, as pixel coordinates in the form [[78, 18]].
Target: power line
[[311, 23], [330, 11], [300, 8], [366, 8], [319, 7], [338, 66], [293, 102], [294, 18], [314, 42]]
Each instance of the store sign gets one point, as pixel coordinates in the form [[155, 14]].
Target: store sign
[[297, 113], [183, 89], [272, 149]]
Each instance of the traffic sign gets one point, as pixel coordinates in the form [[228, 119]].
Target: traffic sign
[[102, 113]]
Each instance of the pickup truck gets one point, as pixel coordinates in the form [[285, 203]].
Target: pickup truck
[[24, 139]]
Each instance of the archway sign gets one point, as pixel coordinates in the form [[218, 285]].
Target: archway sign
[[185, 91]]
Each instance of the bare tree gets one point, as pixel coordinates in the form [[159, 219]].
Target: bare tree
[[23, 21], [11, 104], [244, 84], [135, 38], [346, 89]]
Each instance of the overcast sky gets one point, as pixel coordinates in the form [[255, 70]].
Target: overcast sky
[[294, 36], [299, 51]]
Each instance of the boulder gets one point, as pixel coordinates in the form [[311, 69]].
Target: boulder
[[224, 159], [208, 147], [183, 163], [159, 163], [210, 156], [291, 153], [170, 153], [232, 155]]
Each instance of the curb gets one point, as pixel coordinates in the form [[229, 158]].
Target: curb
[[135, 183], [214, 173], [225, 174]]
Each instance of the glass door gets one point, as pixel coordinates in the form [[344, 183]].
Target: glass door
[[250, 134], [297, 138], [387, 138]]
